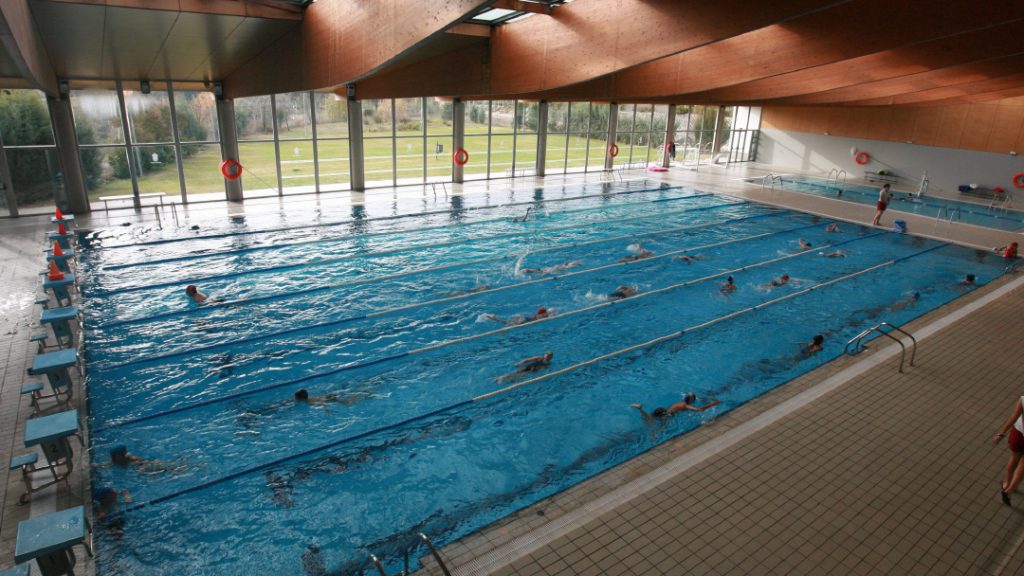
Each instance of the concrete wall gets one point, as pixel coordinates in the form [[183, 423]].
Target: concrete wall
[[947, 167]]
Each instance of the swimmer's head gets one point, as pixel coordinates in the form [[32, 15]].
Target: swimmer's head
[[542, 311], [729, 279], [886, 186], [191, 290], [689, 397], [549, 355], [103, 494], [819, 339], [969, 278], [916, 296], [785, 276], [301, 395], [119, 452]]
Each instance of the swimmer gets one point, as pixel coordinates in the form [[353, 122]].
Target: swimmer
[[119, 456], [1009, 251], [194, 293], [836, 254], [472, 290], [804, 245], [527, 366], [969, 280], [622, 292], [105, 500], [687, 259], [775, 283], [906, 302], [302, 397], [813, 347], [524, 217], [516, 320], [728, 287], [662, 414], [552, 269], [833, 227], [640, 254]]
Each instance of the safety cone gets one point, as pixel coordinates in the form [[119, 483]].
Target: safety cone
[[61, 229], [56, 249], [54, 273], [59, 215]]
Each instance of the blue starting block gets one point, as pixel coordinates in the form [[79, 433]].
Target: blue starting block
[[62, 260], [51, 433], [19, 570], [58, 319], [64, 240], [48, 539], [59, 288], [55, 366]]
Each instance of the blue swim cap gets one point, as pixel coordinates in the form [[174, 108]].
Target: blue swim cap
[[689, 397], [119, 451], [102, 493], [917, 295]]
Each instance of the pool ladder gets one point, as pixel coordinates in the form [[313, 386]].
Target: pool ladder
[[433, 552], [856, 345], [833, 177], [768, 181]]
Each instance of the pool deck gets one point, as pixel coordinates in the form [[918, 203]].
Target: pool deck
[[853, 468]]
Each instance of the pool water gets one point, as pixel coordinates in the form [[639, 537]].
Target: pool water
[[386, 322], [943, 209]]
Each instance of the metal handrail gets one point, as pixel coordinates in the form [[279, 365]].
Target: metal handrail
[[843, 174], [858, 344], [377, 564], [435, 554]]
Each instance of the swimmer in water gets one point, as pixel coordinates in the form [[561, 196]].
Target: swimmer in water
[[833, 227], [517, 320], [527, 366], [302, 397], [120, 457], [524, 217], [836, 254], [728, 287], [552, 269], [804, 245], [687, 259], [775, 283], [813, 347], [622, 292], [194, 293], [640, 254], [969, 280], [906, 302], [472, 290], [663, 414]]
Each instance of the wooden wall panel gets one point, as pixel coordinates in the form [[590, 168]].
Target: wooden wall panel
[[988, 126]]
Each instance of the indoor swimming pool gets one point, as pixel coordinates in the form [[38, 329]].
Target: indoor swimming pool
[[406, 328], [942, 209]]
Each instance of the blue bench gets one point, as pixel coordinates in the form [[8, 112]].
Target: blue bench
[[27, 464]]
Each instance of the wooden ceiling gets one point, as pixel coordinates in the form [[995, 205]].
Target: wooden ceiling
[[785, 52]]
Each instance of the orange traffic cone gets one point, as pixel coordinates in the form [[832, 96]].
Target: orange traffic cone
[[56, 249], [54, 273], [61, 229], [59, 215]]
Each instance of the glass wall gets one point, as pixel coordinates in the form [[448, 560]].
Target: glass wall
[[740, 144], [695, 131], [640, 134], [164, 161], [26, 138]]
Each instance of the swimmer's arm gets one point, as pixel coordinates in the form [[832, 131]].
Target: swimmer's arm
[[529, 360], [1006, 425]]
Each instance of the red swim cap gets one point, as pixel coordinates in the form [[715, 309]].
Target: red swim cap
[[542, 310]]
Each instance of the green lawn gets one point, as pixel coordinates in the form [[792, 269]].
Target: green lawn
[[202, 169]]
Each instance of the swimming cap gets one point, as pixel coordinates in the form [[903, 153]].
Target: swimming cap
[[119, 451], [689, 397], [542, 310], [301, 394], [101, 493], [190, 289], [917, 295], [785, 276]]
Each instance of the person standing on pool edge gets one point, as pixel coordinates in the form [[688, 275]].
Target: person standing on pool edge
[[884, 196], [1014, 467]]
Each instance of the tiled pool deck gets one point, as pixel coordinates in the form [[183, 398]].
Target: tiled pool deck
[[879, 473]]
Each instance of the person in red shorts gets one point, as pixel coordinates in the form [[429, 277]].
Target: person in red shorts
[[883, 202], [1009, 251], [1014, 468]]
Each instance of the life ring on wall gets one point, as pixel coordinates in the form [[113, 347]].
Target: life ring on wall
[[862, 158], [231, 169], [461, 157], [613, 150], [1018, 179]]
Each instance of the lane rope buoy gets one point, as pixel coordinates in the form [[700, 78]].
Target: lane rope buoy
[[461, 157], [231, 169], [613, 150], [1018, 179], [862, 158]]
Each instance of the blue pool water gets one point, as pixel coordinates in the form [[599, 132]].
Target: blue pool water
[[932, 206], [387, 316]]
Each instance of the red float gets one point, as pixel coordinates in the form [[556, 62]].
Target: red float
[[1018, 179], [862, 158], [231, 169], [461, 157], [613, 150]]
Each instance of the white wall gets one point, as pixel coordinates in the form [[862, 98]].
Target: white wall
[[947, 167]]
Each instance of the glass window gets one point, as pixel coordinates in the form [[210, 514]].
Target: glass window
[[35, 175], [105, 171], [501, 153], [260, 167], [477, 118], [197, 116], [254, 118], [526, 116], [625, 122], [526, 152], [476, 168], [554, 154], [24, 118], [149, 116], [503, 116], [409, 158], [334, 163], [377, 118], [202, 171], [409, 116], [576, 155], [378, 166], [439, 116], [97, 116], [297, 167], [331, 115], [157, 169], [293, 120], [558, 117]]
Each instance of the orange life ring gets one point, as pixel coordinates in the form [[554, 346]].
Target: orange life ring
[[862, 158], [461, 157], [1018, 179], [231, 169], [613, 150]]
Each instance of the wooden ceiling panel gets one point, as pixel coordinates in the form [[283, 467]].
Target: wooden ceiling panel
[[190, 42], [132, 38], [72, 34]]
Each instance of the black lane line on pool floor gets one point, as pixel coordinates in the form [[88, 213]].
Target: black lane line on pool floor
[[329, 287], [662, 186], [542, 378], [335, 260], [193, 350], [349, 238], [368, 363]]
